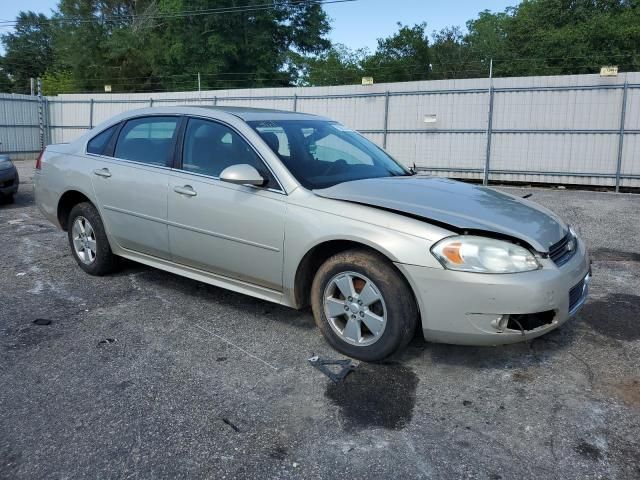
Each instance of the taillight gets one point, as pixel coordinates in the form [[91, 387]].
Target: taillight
[[39, 161]]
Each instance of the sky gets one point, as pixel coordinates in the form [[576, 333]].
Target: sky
[[355, 24]]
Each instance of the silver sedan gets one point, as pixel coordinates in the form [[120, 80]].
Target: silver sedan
[[300, 210]]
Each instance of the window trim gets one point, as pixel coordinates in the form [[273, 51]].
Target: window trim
[[180, 152], [111, 148], [107, 145]]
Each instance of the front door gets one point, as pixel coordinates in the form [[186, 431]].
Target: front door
[[232, 230]]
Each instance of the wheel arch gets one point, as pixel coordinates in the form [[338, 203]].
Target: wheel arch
[[318, 254], [67, 201]]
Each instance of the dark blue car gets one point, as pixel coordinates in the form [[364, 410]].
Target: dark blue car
[[9, 179]]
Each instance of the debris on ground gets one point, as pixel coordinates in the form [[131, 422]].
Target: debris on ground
[[346, 367]]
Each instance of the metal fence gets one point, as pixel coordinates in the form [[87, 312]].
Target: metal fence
[[581, 129]]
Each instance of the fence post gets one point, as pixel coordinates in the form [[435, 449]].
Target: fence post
[[40, 113], [386, 119], [48, 121], [623, 113], [487, 161], [215, 100], [151, 102], [295, 102], [91, 114]]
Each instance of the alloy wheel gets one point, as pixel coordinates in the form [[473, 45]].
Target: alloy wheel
[[355, 308], [84, 240]]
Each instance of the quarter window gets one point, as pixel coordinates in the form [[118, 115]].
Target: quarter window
[[210, 147], [147, 140], [98, 143]]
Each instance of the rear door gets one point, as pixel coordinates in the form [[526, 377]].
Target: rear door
[[232, 230], [131, 183]]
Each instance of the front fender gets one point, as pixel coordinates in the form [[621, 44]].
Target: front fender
[[307, 227]]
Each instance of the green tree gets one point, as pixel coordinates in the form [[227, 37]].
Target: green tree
[[403, 56], [553, 37], [56, 82], [451, 56], [150, 45], [337, 66], [28, 50], [6, 85]]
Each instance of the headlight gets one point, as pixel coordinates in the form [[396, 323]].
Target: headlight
[[468, 253]]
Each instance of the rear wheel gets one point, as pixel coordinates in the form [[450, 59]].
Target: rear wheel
[[362, 305], [88, 240]]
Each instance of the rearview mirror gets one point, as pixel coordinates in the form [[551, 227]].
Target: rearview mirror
[[242, 174]]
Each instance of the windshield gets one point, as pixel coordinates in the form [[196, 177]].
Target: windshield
[[321, 154]]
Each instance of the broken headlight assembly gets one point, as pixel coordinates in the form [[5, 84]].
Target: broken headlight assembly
[[469, 253]]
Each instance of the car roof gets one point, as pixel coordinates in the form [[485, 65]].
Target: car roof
[[250, 113]]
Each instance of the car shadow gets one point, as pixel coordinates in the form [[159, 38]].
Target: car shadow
[[22, 198], [244, 304]]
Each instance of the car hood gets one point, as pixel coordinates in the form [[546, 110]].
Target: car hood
[[460, 205]]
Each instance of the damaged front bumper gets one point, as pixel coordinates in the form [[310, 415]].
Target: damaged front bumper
[[491, 309]]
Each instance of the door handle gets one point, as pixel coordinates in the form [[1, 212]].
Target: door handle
[[102, 172], [186, 190]]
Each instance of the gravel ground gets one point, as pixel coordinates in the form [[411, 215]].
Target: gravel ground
[[149, 375]]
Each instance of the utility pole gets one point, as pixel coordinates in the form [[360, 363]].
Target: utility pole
[[32, 82], [199, 92]]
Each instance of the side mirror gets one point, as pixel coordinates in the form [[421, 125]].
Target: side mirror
[[242, 174]]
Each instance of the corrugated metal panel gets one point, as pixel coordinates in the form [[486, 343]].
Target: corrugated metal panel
[[465, 150], [557, 110], [452, 111], [554, 153], [632, 119], [19, 129]]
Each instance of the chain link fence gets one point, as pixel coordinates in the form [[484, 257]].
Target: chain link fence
[[578, 129]]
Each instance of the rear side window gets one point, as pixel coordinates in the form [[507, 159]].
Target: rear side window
[[147, 140], [98, 143]]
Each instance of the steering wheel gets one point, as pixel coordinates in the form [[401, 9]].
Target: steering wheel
[[334, 165]]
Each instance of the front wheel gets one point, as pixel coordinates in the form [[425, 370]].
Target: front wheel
[[362, 305], [88, 240]]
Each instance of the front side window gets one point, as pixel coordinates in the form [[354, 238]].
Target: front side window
[[98, 143], [147, 140], [210, 147], [321, 154]]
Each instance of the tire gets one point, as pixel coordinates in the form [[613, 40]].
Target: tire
[[10, 199], [98, 259], [396, 306]]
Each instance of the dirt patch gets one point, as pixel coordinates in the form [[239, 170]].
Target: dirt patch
[[29, 336], [611, 255], [522, 376], [376, 395], [617, 316], [629, 391]]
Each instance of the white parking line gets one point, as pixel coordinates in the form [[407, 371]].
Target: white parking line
[[236, 346]]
